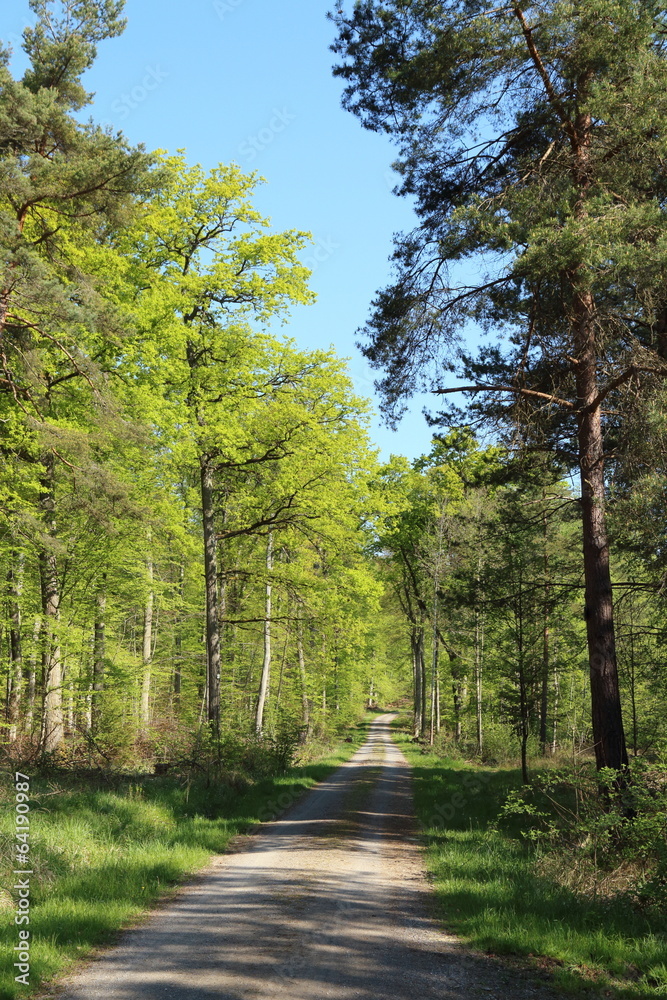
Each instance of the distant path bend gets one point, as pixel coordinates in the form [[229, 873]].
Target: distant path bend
[[330, 901]]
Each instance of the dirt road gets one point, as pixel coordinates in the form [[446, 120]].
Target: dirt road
[[329, 901]]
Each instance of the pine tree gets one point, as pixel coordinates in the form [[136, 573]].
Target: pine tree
[[529, 136]]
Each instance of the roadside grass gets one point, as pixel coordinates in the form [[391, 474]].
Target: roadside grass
[[104, 851], [490, 894]]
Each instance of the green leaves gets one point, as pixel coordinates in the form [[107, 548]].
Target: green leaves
[[531, 139], [62, 47]]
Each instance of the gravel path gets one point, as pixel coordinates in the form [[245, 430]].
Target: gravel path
[[329, 901]]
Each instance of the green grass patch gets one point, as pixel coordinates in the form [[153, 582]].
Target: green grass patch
[[489, 891], [104, 852]]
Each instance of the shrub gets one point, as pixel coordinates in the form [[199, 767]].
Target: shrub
[[594, 836]]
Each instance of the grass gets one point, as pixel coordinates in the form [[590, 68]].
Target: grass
[[104, 854], [489, 891]]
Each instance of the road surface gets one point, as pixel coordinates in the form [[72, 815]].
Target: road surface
[[330, 901]]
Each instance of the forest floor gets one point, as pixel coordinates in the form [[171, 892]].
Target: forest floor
[[331, 900]]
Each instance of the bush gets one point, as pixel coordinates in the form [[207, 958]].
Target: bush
[[500, 745], [597, 838]]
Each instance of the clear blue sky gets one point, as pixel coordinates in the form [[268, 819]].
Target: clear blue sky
[[250, 81]]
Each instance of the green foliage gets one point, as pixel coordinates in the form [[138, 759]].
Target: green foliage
[[530, 82], [105, 849], [579, 821], [496, 893]]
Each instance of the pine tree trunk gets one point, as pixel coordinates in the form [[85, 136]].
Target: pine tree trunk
[[213, 657], [266, 664], [608, 733], [52, 720]]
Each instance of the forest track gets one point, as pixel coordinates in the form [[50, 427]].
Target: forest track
[[330, 901]]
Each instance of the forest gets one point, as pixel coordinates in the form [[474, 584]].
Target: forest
[[207, 568], [198, 531]]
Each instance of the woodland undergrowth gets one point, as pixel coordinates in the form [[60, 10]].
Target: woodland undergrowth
[[564, 876]]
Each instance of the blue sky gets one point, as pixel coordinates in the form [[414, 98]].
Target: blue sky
[[250, 81]]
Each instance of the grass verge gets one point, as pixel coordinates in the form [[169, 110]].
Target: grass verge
[[104, 852], [490, 894]]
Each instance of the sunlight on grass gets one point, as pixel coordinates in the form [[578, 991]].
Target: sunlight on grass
[[490, 894], [101, 856]]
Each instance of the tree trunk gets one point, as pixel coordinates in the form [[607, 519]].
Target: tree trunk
[[305, 703], [417, 637], [633, 684], [544, 694], [434, 675], [608, 733], [14, 589], [523, 686], [281, 676], [32, 677], [178, 640], [457, 703], [459, 693], [266, 664], [423, 685], [213, 658], [478, 682], [99, 653], [147, 648], [554, 724], [52, 718]]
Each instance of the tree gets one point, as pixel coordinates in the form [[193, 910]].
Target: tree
[[205, 267], [529, 136], [62, 184]]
